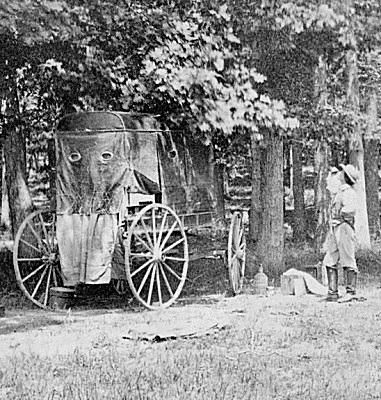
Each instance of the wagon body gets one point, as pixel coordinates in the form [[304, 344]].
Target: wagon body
[[111, 164], [125, 191]]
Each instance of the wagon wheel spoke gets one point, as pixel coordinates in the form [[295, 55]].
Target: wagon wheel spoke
[[55, 281], [165, 279], [39, 281], [29, 259], [145, 279], [154, 227], [158, 284], [168, 235], [146, 264], [141, 241], [30, 245], [37, 236], [153, 275], [173, 245], [58, 270], [147, 235], [156, 278], [169, 269], [34, 272], [163, 221], [45, 232], [240, 236], [175, 258], [47, 286], [141, 255]]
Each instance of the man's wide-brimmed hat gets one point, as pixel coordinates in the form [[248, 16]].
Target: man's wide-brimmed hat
[[352, 172]]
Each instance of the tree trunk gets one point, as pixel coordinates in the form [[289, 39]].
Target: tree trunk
[[5, 215], [271, 242], [219, 191], [20, 202], [255, 214], [256, 204], [322, 198], [356, 150], [299, 227], [371, 162], [321, 160]]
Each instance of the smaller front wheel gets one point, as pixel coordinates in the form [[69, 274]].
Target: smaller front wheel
[[236, 252], [156, 256]]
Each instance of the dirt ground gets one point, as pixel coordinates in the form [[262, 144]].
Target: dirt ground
[[50, 333], [205, 347]]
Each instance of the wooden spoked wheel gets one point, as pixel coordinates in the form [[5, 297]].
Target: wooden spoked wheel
[[35, 257], [156, 256], [236, 252]]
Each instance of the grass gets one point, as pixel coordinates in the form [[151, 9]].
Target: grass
[[280, 347], [294, 349]]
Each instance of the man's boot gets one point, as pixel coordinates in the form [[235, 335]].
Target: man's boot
[[350, 285], [333, 292]]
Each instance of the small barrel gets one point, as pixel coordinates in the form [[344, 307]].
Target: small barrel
[[61, 298]]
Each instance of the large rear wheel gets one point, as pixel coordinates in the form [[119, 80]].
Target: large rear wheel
[[236, 252], [35, 257], [156, 256]]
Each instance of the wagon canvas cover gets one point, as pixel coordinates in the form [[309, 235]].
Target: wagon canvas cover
[[95, 168], [100, 157]]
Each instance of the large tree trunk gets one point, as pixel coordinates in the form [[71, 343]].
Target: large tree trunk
[[356, 150], [321, 160], [271, 241], [255, 214], [256, 181], [19, 200], [371, 162], [299, 234]]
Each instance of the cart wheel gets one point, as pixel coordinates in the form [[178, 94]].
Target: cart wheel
[[120, 286], [35, 257], [236, 252], [156, 256]]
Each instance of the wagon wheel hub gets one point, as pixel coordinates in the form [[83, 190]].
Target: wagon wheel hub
[[51, 258], [158, 255]]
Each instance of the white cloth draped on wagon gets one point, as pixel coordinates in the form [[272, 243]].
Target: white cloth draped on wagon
[[86, 247]]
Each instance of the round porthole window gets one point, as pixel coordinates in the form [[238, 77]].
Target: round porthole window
[[74, 156], [107, 156], [172, 153]]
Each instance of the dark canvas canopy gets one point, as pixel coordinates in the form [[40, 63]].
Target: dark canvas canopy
[[101, 158], [101, 155], [98, 159]]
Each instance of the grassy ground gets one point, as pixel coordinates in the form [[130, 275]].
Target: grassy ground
[[277, 347]]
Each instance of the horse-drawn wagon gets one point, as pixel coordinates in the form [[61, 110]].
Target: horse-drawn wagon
[[125, 195]]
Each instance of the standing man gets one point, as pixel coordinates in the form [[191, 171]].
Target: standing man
[[341, 246]]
